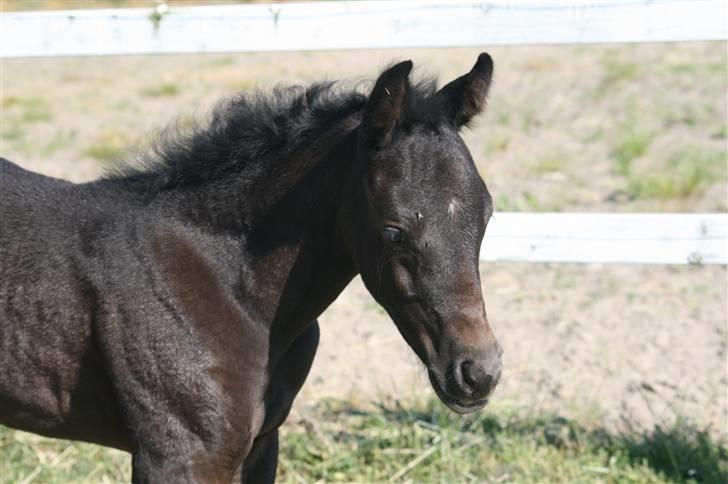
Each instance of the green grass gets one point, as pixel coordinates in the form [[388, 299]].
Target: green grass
[[223, 61], [529, 119], [166, 89], [109, 147], [374, 306], [550, 162], [498, 142], [60, 140], [527, 201], [532, 202], [428, 443], [424, 442], [12, 133], [31, 109], [504, 203], [721, 132], [615, 71], [687, 173], [629, 144], [104, 153]]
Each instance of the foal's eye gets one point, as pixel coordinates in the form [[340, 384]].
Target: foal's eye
[[392, 234]]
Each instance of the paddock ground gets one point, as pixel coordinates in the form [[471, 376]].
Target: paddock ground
[[582, 128]]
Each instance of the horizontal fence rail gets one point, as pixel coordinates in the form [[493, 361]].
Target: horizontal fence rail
[[356, 25], [647, 238]]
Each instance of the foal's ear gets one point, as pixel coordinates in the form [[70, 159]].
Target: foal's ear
[[464, 97], [386, 103]]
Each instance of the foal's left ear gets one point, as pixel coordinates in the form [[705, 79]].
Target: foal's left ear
[[464, 97], [384, 107]]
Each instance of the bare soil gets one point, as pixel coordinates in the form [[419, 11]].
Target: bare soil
[[638, 343]]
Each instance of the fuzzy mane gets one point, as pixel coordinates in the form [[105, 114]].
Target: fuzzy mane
[[249, 129]]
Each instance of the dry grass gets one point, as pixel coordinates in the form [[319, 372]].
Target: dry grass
[[567, 128]]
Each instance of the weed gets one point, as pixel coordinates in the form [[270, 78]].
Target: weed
[[108, 148], [166, 89], [549, 163], [9, 101], [680, 452], [497, 143], [630, 144], [503, 118], [60, 140], [122, 105], [32, 109], [529, 119], [593, 135], [721, 132], [532, 202], [13, 133], [686, 174], [503, 203], [221, 61], [687, 115], [615, 71], [374, 306]]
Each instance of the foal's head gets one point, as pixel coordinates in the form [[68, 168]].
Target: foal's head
[[415, 222]]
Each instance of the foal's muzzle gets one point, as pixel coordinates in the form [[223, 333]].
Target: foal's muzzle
[[477, 379], [465, 385]]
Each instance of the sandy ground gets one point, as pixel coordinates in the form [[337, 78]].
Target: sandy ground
[[628, 343], [625, 342]]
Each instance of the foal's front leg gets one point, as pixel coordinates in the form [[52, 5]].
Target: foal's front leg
[[173, 451], [261, 463], [192, 415]]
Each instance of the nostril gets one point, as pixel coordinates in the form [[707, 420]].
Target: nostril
[[477, 379], [465, 372], [472, 374]]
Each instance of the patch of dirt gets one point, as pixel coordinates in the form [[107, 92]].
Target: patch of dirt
[[637, 344]]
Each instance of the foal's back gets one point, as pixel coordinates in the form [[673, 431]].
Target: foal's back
[[37, 215], [35, 212], [45, 324]]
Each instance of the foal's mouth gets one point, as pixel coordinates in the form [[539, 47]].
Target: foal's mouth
[[456, 405]]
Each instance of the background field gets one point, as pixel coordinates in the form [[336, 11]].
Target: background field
[[613, 372]]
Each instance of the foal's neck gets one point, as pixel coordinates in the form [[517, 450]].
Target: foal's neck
[[286, 216]]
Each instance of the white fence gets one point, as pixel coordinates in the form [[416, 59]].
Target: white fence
[[562, 237], [357, 25], [648, 238]]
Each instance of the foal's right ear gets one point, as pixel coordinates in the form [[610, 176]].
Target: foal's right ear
[[464, 97], [385, 104]]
